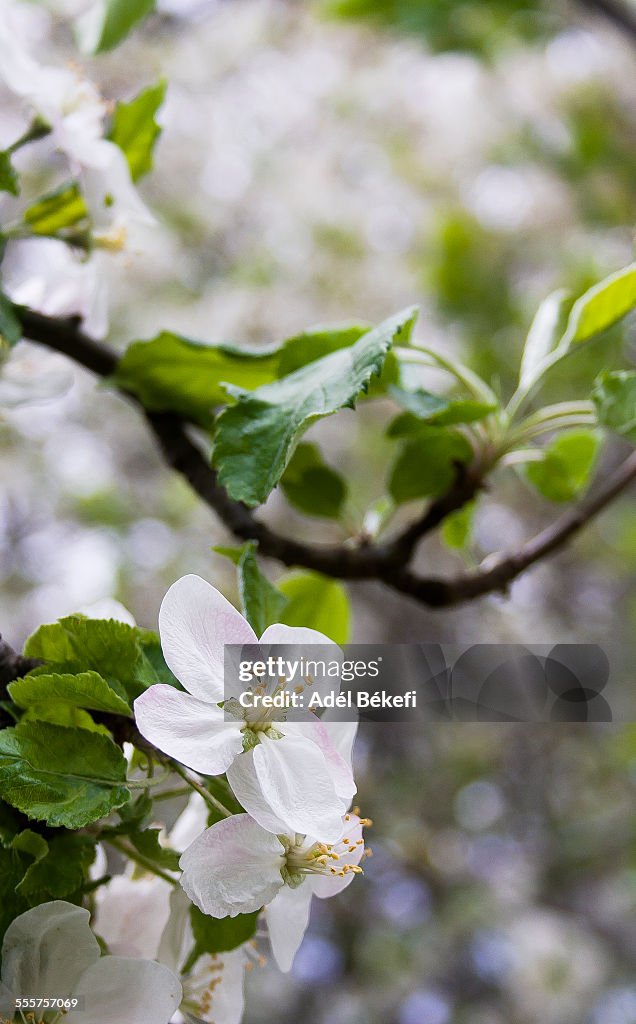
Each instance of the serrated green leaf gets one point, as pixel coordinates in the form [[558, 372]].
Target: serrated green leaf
[[119, 18], [255, 438], [307, 347], [61, 209], [9, 181], [543, 336], [602, 306], [311, 486], [68, 777], [63, 714], [30, 843], [262, 604], [317, 602], [85, 690], [10, 326], [112, 649], [566, 467], [614, 396], [135, 129], [60, 870], [440, 412], [427, 464], [214, 935]]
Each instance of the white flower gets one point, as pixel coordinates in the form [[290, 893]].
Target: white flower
[[146, 917], [51, 951], [44, 274], [75, 112], [289, 776], [236, 867], [27, 376]]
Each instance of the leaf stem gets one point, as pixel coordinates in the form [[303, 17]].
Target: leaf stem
[[201, 790], [138, 858]]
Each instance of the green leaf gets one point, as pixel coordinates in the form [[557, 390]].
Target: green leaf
[[438, 411], [311, 486], [602, 306], [10, 326], [85, 690], [61, 209], [63, 714], [60, 870], [147, 843], [311, 345], [9, 181], [174, 373], [111, 648], [457, 527], [10, 823], [543, 337], [119, 19], [566, 467], [426, 465], [214, 935], [318, 603], [135, 129], [262, 604], [13, 865], [68, 777], [255, 438], [614, 396]]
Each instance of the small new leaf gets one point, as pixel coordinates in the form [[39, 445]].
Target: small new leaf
[[602, 306], [614, 396], [135, 129], [118, 19], [543, 337], [316, 602], [261, 602], [566, 467], [256, 438], [9, 181], [427, 464]]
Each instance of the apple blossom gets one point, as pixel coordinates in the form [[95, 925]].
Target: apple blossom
[[288, 775], [50, 950], [237, 867], [146, 917]]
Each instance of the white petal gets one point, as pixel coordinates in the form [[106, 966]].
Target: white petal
[[296, 642], [287, 918], [242, 777], [130, 915], [118, 989], [177, 939], [191, 730], [296, 635], [233, 867], [195, 621], [222, 978], [339, 769], [295, 782], [47, 949], [191, 823], [341, 734]]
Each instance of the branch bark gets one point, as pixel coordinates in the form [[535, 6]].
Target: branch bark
[[387, 562], [615, 11]]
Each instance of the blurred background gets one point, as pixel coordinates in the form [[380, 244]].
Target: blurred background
[[334, 161]]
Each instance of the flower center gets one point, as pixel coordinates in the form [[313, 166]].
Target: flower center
[[303, 858]]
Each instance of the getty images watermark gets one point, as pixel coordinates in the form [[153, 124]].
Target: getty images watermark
[[432, 682]]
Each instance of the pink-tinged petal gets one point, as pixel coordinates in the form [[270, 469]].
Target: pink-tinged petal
[[130, 915], [298, 636], [242, 777], [325, 886], [287, 918], [117, 989], [233, 868], [341, 734], [192, 821], [191, 730], [339, 769], [215, 987], [195, 621], [296, 785]]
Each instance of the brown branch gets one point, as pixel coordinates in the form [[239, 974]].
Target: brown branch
[[13, 665], [385, 562], [620, 15]]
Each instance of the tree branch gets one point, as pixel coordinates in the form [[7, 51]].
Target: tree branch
[[13, 665], [621, 16], [385, 562]]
